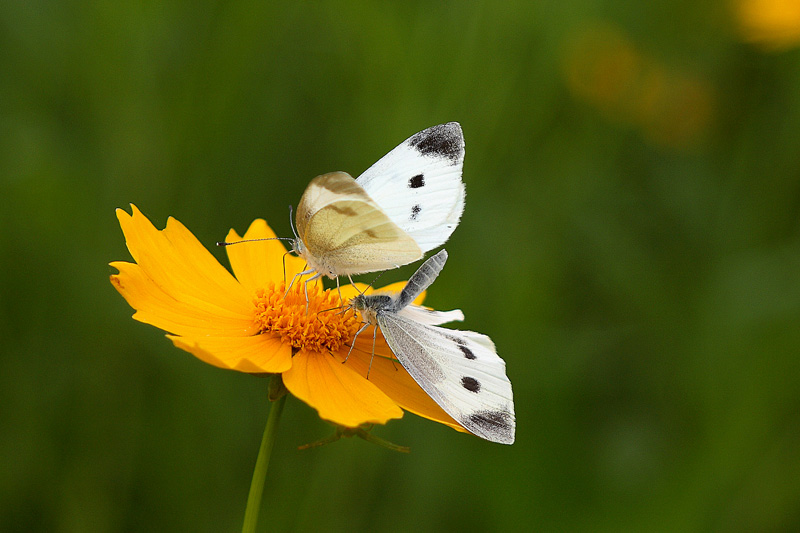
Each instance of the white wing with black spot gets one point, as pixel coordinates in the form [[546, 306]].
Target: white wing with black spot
[[418, 184], [459, 370]]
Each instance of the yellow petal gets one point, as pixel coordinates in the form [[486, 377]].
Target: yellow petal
[[176, 261], [390, 377], [156, 307], [256, 354], [336, 392], [259, 262]]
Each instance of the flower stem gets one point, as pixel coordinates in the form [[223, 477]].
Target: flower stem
[[260, 471]]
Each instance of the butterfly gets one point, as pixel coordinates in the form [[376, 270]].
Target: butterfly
[[459, 370], [407, 203]]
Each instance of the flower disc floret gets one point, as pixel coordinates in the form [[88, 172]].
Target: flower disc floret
[[318, 324]]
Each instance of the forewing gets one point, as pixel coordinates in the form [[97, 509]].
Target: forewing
[[459, 370], [343, 229], [418, 184]]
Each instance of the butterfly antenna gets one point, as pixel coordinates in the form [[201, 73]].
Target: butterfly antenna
[[353, 284], [224, 243], [372, 284], [291, 223]]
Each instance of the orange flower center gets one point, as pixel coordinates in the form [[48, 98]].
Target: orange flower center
[[319, 325]]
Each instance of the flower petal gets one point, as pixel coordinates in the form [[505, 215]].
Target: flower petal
[[182, 268], [156, 307], [257, 263], [390, 377], [256, 354], [336, 392]]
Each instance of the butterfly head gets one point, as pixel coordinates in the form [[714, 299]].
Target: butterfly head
[[314, 264], [369, 306]]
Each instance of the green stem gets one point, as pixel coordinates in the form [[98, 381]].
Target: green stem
[[260, 471]]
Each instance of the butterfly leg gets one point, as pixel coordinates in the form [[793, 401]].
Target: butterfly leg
[[305, 286], [283, 259], [353, 343], [339, 289], [374, 335], [300, 274], [291, 283]]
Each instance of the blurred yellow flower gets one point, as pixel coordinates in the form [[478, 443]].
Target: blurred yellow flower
[[774, 24], [604, 68], [248, 324]]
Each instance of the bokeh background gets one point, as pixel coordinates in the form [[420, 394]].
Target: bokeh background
[[631, 242]]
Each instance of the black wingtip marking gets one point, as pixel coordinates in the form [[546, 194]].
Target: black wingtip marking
[[444, 140], [471, 384], [493, 422], [415, 211], [417, 181]]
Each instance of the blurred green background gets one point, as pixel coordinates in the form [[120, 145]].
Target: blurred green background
[[631, 242]]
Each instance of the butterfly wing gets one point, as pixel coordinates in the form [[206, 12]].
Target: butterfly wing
[[418, 184], [345, 232], [459, 370], [430, 316]]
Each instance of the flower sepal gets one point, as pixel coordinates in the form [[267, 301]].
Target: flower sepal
[[363, 431], [277, 389]]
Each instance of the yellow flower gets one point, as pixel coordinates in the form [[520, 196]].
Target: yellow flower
[[774, 24], [248, 324]]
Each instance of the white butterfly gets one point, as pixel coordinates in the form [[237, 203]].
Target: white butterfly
[[407, 203], [459, 370]]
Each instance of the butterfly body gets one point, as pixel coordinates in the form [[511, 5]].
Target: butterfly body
[[459, 370], [407, 203]]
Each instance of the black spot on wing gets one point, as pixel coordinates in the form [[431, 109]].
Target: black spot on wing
[[444, 140], [471, 384], [417, 181], [462, 345], [466, 351], [415, 211]]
